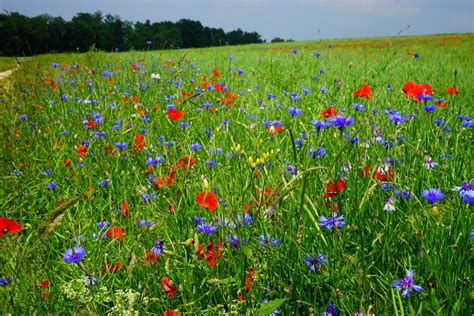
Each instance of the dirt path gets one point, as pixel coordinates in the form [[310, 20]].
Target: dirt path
[[6, 74]]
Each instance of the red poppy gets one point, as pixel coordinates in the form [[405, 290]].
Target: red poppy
[[115, 232], [364, 172], [124, 208], [363, 92], [151, 257], [170, 312], [219, 87], [333, 189], [9, 226], [81, 150], [91, 124], [210, 255], [383, 173], [248, 279], [110, 267], [329, 112], [174, 115], [415, 90], [441, 103], [186, 162], [452, 90], [165, 181], [207, 200], [44, 284], [138, 144], [169, 289], [273, 130]]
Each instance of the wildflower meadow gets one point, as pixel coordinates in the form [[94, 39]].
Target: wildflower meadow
[[303, 178]]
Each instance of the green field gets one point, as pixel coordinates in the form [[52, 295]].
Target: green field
[[221, 180]]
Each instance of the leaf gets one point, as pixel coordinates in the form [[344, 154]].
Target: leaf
[[270, 306]]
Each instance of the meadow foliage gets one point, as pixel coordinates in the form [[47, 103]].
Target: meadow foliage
[[306, 178]]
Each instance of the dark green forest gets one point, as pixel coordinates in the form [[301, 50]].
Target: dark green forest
[[24, 36]]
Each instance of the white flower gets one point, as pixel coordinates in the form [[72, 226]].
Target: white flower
[[155, 76]]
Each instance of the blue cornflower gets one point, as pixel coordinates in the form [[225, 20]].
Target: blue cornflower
[[23, 117], [295, 97], [264, 242], [291, 169], [305, 90], [320, 152], [463, 188], [51, 185], [429, 108], [74, 255], [312, 261], [158, 247], [102, 225], [89, 280], [472, 233], [341, 121], [316, 54], [468, 197], [332, 222], [396, 118], [206, 228], [358, 107], [120, 145], [4, 281], [330, 311], [439, 122], [323, 90], [432, 195], [234, 241], [195, 146], [47, 172], [407, 284], [247, 219], [294, 111], [104, 182]]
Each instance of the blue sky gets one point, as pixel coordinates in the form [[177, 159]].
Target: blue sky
[[295, 19]]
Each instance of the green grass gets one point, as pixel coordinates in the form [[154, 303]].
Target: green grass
[[364, 256]]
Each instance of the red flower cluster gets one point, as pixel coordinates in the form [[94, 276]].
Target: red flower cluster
[[115, 232], [207, 200], [363, 92], [169, 289], [329, 112], [138, 144], [8, 225], [415, 91], [209, 255], [174, 115], [333, 189]]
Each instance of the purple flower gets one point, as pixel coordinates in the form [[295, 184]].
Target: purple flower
[[101, 225], [74, 255], [158, 247], [4, 281], [341, 121], [264, 242], [195, 146], [120, 145], [320, 152], [429, 108], [206, 228], [234, 241], [429, 163], [330, 311], [294, 111], [312, 262], [468, 197], [104, 182], [332, 222], [432, 195], [406, 284], [51, 185]]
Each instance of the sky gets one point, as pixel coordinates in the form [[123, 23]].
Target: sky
[[288, 19]]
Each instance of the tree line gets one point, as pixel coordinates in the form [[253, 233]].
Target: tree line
[[23, 36]]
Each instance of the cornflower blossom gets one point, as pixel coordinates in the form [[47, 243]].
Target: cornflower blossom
[[463, 188], [264, 242], [406, 284], [320, 152], [429, 163], [158, 247], [51, 185], [195, 146], [432, 195], [341, 121], [206, 228], [102, 225], [332, 222], [74, 255], [330, 311], [312, 261], [5, 281], [294, 111]]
